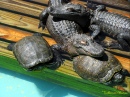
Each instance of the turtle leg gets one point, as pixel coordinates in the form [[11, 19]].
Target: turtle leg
[[10, 46], [57, 58], [108, 83]]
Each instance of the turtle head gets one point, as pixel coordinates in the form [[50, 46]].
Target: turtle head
[[85, 45], [117, 78]]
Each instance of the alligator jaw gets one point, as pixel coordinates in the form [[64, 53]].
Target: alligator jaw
[[82, 44]]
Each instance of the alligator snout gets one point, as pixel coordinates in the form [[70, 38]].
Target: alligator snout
[[97, 52]]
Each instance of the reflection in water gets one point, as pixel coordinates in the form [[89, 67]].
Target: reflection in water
[[14, 84]]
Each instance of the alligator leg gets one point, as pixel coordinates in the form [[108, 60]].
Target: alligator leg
[[43, 17], [111, 45], [121, 39], [101, 8], [95, 29]]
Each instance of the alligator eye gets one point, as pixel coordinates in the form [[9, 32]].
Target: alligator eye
[[79, 11], [84, 43], [71, 9]]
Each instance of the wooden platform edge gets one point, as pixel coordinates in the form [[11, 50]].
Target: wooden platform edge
[[89, 87]]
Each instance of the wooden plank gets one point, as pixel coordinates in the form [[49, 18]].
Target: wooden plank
[[28, 4], [20, 21], [120, 4], [39, 1], [122, 12], [20, 8], [15, 34]]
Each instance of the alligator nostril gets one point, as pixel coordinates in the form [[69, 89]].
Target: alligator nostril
[[51, 9]]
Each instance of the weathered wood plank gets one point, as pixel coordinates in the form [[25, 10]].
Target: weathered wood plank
[[39, 1], [20, 8], [28, 4], [12, 34], [20, 21], [121, 4], [122, 12], [15, 35]]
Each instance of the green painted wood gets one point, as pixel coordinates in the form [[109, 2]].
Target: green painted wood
[[89, 87]]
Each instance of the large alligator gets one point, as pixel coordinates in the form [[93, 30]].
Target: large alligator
[[114, 25], [68, 34]]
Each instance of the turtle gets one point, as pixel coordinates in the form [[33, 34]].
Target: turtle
[[34, 51], [106, 69]]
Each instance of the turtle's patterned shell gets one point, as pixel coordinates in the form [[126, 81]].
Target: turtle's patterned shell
[[97, 70], [32, 50]]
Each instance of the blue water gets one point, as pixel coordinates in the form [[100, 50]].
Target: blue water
[[13, 84]]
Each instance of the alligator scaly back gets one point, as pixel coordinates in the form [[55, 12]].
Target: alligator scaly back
[[114, 25], [62, 30]]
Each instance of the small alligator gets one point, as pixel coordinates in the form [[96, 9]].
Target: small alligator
[[68, 34], [114, 25]]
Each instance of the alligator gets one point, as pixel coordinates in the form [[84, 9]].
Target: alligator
[[68, 34], [112, 24]]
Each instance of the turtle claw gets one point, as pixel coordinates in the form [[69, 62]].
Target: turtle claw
[[56, 63]]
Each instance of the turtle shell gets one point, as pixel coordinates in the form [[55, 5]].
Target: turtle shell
[[99, 70], [32, 50]]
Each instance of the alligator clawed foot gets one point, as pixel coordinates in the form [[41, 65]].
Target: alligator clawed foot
[[41, 25], [92, 38]]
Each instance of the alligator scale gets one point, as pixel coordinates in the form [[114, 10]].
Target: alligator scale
[[68, 34]]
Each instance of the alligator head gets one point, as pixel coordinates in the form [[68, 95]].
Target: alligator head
[[73, 12], [85, 45]]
